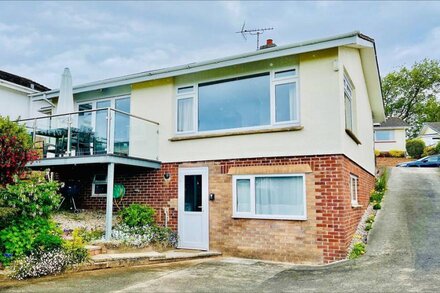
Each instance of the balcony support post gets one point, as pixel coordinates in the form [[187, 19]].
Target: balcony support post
[[69, 124], [34, 131], [109, 205]]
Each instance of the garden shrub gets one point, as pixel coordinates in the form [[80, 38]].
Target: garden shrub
[[32, 197], [415, 147], [40, 263], [25, 235], [74, 249], [429, 151], [376, 196], [137, 215], [437, 148], [88, 235], [377, 206], [381, 182], [15, 150], [358, 250], [397, 153], [377, 153]]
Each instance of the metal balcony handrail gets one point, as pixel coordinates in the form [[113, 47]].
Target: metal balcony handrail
[[85, 111]]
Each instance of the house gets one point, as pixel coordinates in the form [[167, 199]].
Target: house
[[267, 154], [14, 91], [390, 135], [430, 133]]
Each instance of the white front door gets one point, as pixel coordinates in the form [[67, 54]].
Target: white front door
[[193, 208]]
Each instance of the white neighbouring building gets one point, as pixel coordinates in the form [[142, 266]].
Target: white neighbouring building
[[390, 135], [430, 133], [14, 95]]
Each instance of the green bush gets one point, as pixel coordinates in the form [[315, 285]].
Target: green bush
[[358, 250], [25, 235], [370, 219], [377, 206], [376, 196], [88, 235], [137, 215], [381, 182], [429, 151], [397, 153], [437, 148], [368, 227], [32, 197], [415, 147], [376, 153], [75, 250]]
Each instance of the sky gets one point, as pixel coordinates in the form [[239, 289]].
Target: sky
[[99, 40]]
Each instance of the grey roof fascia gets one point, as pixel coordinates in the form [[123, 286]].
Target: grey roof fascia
[[280, 51]]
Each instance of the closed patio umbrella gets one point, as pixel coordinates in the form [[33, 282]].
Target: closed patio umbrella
[[65, 100]]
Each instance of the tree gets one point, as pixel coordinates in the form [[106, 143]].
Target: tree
[[413, 94], [15, 150]]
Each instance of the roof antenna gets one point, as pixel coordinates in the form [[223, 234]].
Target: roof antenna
[[253, 32]]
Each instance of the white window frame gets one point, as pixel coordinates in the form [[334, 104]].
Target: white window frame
[[280, 81], [100, 182], [392, 139], [273, 82], [347, 81], [354, 196], [182, 96], [94, 102], [252, 214]]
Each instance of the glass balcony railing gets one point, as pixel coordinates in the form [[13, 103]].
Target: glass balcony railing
[[94, 132]]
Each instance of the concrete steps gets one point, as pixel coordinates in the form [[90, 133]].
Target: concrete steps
[[115, 260]]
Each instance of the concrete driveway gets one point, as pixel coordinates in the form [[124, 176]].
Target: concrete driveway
[[403, 255]]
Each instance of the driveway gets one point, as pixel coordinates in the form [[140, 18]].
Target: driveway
[[403, 255]]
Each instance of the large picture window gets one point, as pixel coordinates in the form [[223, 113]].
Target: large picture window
[[252, 101], [237, 103], [269, 196]]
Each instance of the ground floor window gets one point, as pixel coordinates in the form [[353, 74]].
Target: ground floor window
[[280, 196], [99, 185], [354, 186]]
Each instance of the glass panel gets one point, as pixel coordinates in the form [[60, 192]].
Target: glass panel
[[279, 196], [100, 188], [285, 102], [348, 114], [384, 135], [100, 137], [285, 73], [243, 195], [185, 90], [235, 103], [85, 119], [185, 116], [193, 193], [122, 127], [143, 139]]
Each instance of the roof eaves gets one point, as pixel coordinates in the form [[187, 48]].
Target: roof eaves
[[296, 48]]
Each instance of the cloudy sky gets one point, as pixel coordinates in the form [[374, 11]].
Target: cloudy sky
[[98, 40]]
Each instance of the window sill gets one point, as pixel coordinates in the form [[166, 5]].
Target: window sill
[[281, 218], [99, 196], [233, 133], [384, 141], [356, 205], [353, 136]]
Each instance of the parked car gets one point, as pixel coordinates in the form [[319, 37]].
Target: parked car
[[429, 161]]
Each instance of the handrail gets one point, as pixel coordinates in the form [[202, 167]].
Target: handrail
[[85, 111]]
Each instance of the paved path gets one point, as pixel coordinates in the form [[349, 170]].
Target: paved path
[[403, 255]]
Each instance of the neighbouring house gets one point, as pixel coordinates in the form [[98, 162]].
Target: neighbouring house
[[430, 133], [390, 135], [14, 91], [267, 154]]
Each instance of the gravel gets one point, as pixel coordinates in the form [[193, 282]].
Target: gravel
[[88, 219], [361, 234]]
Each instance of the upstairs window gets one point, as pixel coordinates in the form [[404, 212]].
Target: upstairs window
[[252, 101], [348, 103], [384, 135]]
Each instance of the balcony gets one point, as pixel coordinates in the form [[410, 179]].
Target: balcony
[[94, 136]]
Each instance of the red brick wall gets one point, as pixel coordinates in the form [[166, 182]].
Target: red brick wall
[[323, 238]]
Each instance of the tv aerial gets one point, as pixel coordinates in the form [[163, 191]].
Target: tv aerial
[[253, 32]]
